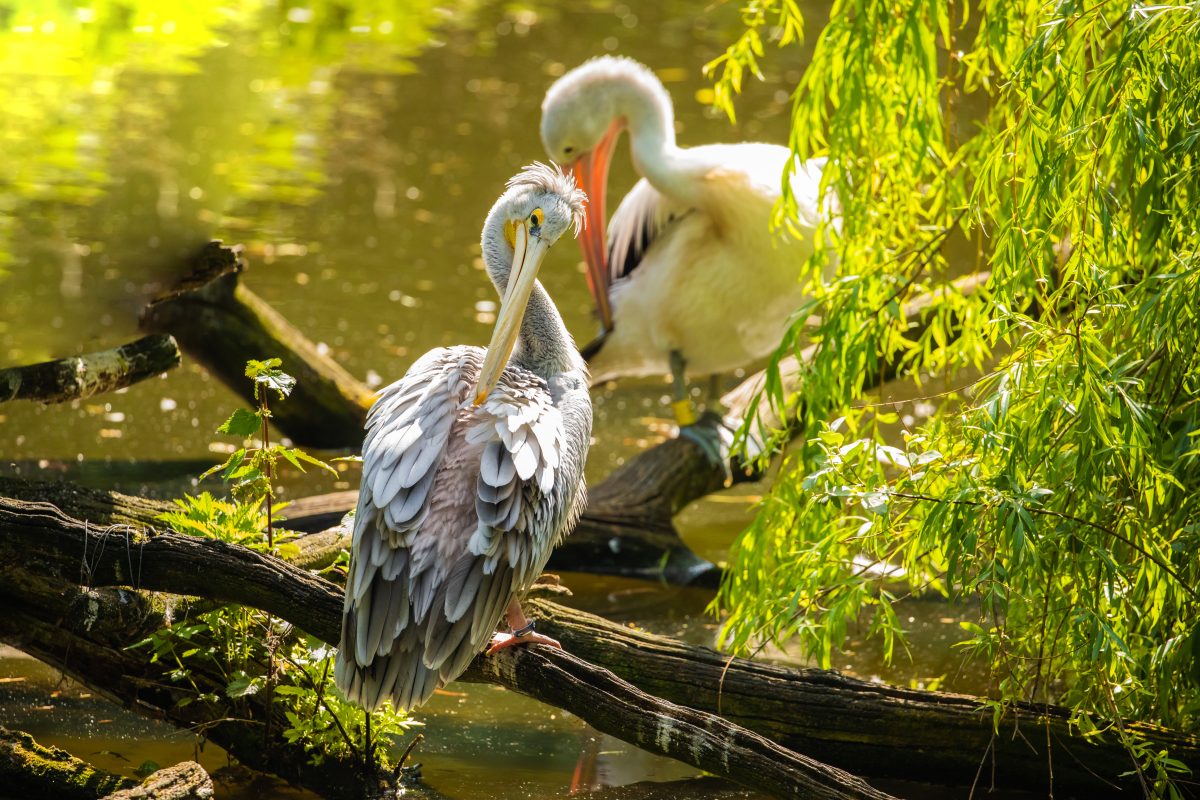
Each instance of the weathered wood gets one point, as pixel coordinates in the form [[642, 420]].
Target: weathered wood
[[77, 377], [50, 543], [222, 324], [186, 780], [867, 728], [32, 771]]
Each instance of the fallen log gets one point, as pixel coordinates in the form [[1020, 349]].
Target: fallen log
[[222, 324], [886, 732], [34, 772], [706, 741], [40, 557], [78, 377]]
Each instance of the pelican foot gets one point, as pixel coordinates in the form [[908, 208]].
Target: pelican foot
[[714, 437], [501, 641], [714, 434]]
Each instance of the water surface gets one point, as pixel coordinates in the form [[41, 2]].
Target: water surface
[[352, 149]]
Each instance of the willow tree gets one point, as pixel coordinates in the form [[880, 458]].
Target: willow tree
[[1057, 146]]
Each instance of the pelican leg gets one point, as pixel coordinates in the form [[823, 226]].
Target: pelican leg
[[681, 401], [522, 632]]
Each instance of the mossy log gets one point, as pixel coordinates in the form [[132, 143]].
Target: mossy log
[[77, 377], [222, 324], [32, 771], [882, 731]]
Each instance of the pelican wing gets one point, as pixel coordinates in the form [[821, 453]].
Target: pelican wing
[[458, 510], [643, 216]]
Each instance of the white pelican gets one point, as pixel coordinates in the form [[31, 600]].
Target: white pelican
[[472, 473], [692, 280]]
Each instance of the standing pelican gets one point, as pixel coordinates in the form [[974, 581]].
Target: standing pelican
[[692, 280], [472, 473]]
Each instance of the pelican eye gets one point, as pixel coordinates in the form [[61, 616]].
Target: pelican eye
[[537, 217]]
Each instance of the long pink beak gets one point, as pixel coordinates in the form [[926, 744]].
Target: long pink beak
[[591, 173]]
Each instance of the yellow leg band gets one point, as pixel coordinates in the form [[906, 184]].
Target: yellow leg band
[[684, 413]]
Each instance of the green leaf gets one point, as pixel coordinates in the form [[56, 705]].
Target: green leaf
[[243, 422]]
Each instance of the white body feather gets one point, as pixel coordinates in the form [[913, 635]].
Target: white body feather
[[715, 283]]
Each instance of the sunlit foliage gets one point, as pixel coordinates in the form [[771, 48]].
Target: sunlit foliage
[[1053, 145]]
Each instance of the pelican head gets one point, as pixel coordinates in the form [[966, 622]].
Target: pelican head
[[538, 206], [582, 117]]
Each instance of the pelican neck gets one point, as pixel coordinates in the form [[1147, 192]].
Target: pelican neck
[[544, 345], [650, 121]]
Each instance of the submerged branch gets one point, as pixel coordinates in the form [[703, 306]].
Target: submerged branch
[[79, 377], [222, 324]]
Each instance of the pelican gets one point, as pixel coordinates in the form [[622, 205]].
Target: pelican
[[691, 280], [472, 473]]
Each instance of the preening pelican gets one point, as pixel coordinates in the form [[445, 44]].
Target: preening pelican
[[691, 279], [472, 473]]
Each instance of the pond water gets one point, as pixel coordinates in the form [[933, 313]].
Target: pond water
[[353, 149]]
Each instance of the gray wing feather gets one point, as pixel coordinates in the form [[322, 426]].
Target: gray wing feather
[[459, 508]]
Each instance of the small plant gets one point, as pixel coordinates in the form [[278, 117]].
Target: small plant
[[251, 471]]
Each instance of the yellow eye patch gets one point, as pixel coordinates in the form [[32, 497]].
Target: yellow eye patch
[[537, 217]]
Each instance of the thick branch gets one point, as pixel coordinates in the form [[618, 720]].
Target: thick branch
[[77, 377], [222, 324], [595, 546]]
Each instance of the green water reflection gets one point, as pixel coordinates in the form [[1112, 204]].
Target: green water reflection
[[353, 149]]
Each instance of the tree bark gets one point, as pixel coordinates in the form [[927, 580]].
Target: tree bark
[[883, 731], [77, 377], [222, 324], [33, 772]]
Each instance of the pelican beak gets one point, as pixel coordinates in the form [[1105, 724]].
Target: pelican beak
[[528, 253], [591, 173]]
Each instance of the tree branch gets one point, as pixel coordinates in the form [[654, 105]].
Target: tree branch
[[77, 377]]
